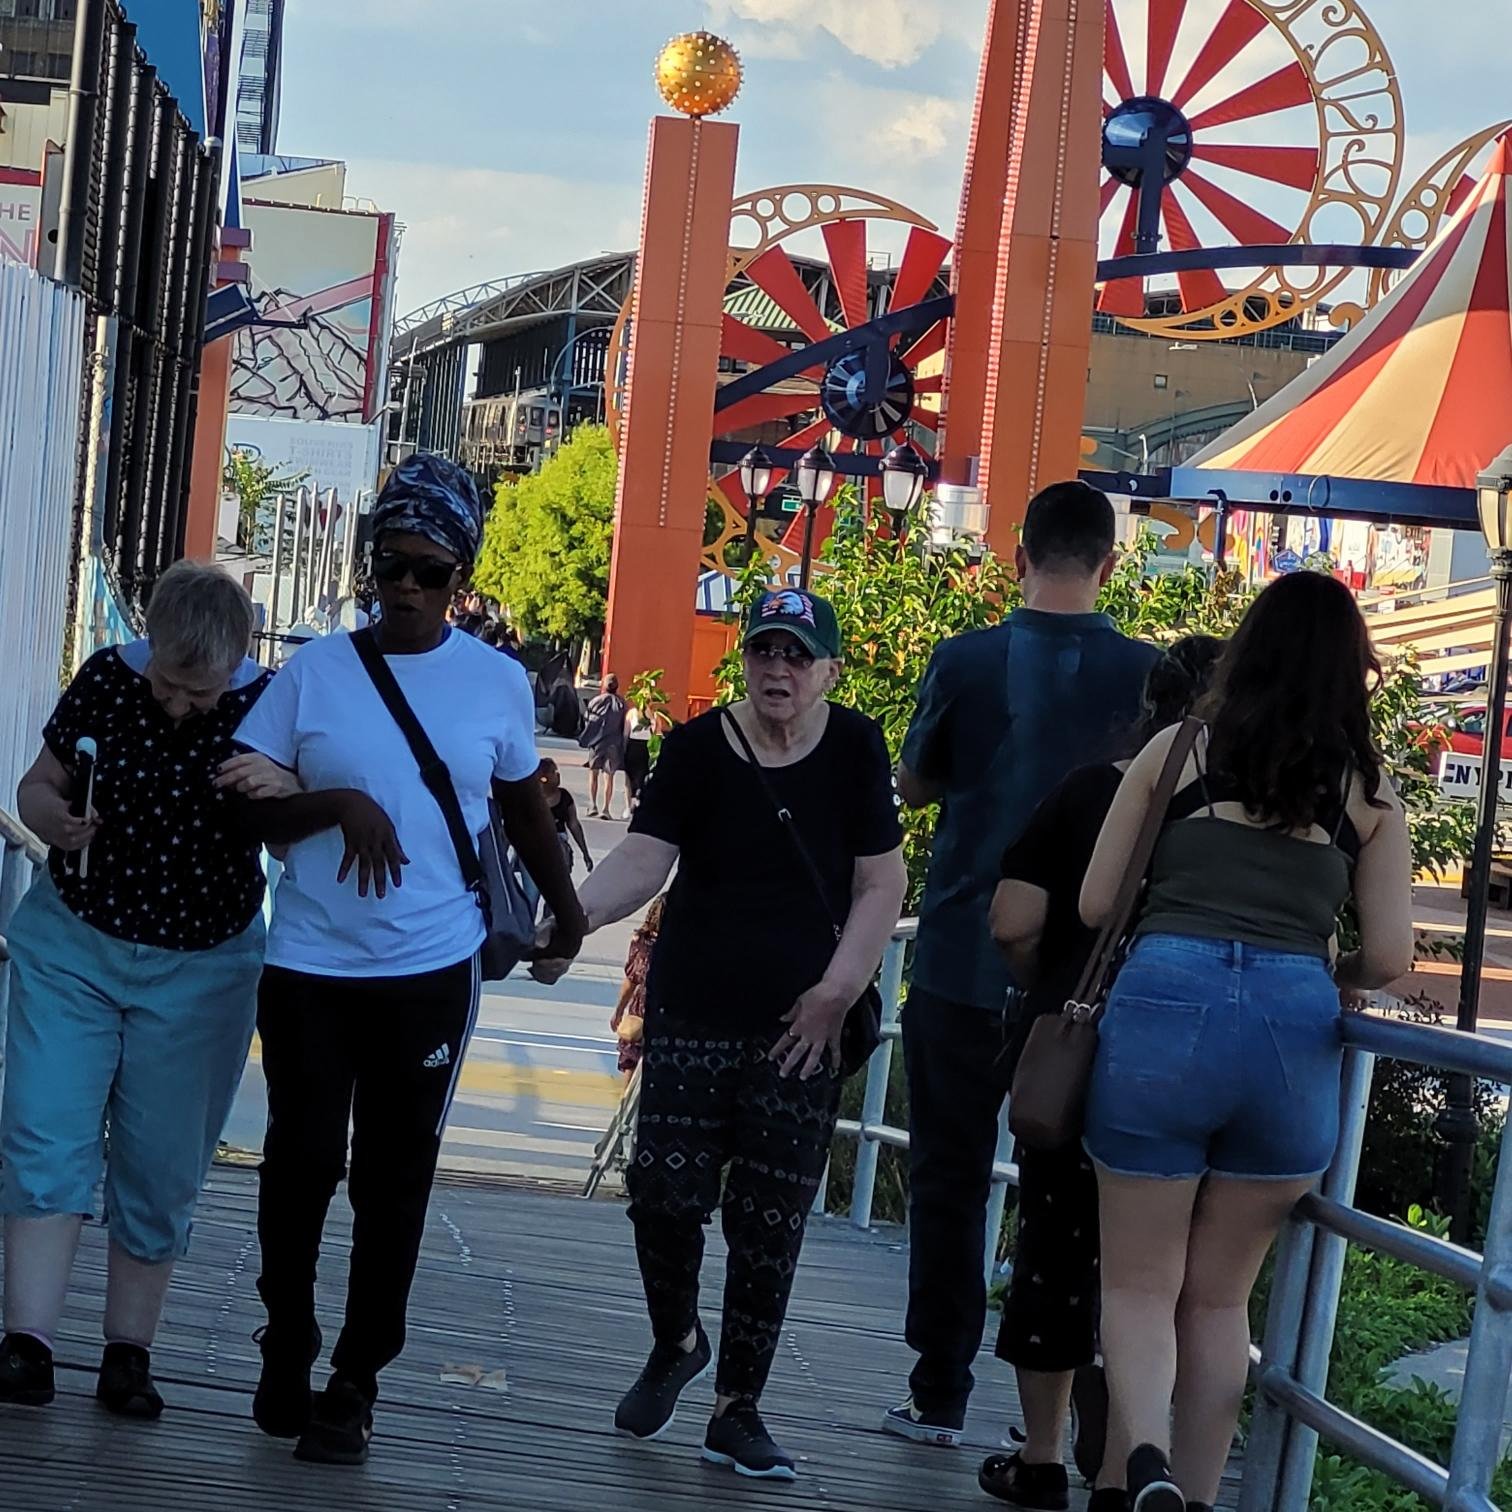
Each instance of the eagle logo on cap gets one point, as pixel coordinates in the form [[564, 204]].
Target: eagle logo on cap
[[790, 605]]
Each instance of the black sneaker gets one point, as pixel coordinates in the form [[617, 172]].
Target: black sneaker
[[281, 1404], [1151, 1488], [340, 1427], [647, 1409], [739, 1438], [1089, 1420], [1046, 1488], [943, 1429], [26, 1371], [125, 1385]]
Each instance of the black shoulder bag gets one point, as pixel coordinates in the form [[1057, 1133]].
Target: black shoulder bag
[[506, 915], [862, 1031]]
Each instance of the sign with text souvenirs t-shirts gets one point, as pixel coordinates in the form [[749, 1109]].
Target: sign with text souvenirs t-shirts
[[322, 718]]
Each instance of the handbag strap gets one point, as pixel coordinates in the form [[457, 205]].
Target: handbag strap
[[1089, 997], [784, 818], [433, 771]]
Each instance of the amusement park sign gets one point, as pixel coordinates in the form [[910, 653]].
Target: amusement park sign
[[1459, 777]]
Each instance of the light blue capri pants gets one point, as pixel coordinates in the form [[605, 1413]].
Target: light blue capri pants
[[104, 1035]]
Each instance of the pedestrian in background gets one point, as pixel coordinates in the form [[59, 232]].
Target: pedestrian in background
[[569, 828], [1214, 1102], [603, 738], [1003, 715], [134, 967]]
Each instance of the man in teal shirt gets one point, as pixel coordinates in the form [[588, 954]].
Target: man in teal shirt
[[1003, 715]]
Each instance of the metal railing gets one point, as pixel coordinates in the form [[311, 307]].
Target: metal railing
[[1290, 1368], [873, 1133], [21, 854]]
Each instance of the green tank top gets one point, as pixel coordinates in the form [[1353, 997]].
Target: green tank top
[[1217, 879]]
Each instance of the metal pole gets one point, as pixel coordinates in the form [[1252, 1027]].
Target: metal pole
[[295, 575], [280, 505], [78, 152], [1327, 1277], [997, 1196], [874, 1099], [806, 566], [327, 546], [753, 506], [1456, 1125]]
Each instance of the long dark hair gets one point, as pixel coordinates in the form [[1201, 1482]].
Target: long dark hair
[[1290, 706], [1174, 685]]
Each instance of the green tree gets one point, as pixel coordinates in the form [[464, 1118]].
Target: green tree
[[256, 485], [546, 544]]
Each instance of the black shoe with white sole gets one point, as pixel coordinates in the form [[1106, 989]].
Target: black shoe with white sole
[[738, 1438], [1151, 1486], [26, 1371], [647, 1409], [943, 1429], [340, 1426]]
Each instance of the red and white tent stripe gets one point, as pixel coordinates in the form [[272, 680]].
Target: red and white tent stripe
[[1421, 390]]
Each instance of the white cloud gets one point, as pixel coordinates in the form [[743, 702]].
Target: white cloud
[[890, 33], [897, 127], [469, 225]]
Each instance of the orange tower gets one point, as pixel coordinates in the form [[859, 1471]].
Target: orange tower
[[1026, 257]]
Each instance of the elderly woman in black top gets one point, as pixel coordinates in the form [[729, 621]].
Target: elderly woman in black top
[[135, 961], [748, 993]]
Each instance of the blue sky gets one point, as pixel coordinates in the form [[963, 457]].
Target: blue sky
[[518, 141]]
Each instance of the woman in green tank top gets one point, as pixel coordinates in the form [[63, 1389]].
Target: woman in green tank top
[[1214, 1100]]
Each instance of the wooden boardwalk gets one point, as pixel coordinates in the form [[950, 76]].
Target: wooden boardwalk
[[538, 1294]]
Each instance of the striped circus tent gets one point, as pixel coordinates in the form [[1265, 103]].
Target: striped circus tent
[[1421, 390]]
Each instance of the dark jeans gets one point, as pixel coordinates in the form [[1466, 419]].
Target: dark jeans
[[385, 1054], [708, 1102], [959, 1070]]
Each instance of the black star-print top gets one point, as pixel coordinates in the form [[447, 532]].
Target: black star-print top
[[172, 866]]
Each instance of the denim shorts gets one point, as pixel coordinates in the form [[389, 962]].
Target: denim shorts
[[1217, 1057]]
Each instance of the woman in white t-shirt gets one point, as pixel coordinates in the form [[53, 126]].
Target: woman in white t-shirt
[[372, 985]]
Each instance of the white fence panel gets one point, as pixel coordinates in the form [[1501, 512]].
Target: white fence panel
[[41, 369]]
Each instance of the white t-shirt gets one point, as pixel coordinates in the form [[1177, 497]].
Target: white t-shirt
[[322, 717]]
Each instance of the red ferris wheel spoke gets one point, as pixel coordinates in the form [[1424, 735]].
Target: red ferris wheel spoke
[[1164, 22], [1243, 222], [748, 344], [928, 418], [1200, 287], [1124, 296], [923, 257], [773, 272], [800, 441], [928, 345], [845, 241], [1110, 189], [930, 385], [1115, 59], [1282, 90], [760, 408], [1237, 27], [1296, 166]]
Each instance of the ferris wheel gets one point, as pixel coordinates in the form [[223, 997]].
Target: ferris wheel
[[1241, 124]]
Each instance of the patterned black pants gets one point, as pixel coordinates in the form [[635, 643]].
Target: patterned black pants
[[708, 1104]]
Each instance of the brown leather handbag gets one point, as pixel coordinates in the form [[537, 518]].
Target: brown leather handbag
[[1049, 1092]]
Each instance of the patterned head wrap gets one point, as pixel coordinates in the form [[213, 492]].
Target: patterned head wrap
[[429, 496]]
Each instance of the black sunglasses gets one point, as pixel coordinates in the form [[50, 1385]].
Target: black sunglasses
[[791, 653], [395, 566]]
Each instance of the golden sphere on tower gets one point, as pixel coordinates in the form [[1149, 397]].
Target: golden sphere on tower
[[698, 74]]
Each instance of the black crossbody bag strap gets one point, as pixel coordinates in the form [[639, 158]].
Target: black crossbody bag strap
[[433, 771], [785, 818]]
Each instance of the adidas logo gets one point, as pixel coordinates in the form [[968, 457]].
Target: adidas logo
[[438, 1057]]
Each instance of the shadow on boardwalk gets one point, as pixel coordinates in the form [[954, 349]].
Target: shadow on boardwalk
[[541, 1287]]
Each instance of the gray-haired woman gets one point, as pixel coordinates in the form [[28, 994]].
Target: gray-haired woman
[[134, 968]]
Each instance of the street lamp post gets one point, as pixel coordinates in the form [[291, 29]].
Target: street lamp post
[[904, 473], [1457, 1124], [816, 482], [755, 479]]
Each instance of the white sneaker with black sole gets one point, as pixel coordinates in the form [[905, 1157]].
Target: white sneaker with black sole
[[647, 1409], [738, 1438]]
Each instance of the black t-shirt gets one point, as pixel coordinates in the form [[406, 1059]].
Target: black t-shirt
[[744, 935], [173, 865], [1053, 854]]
